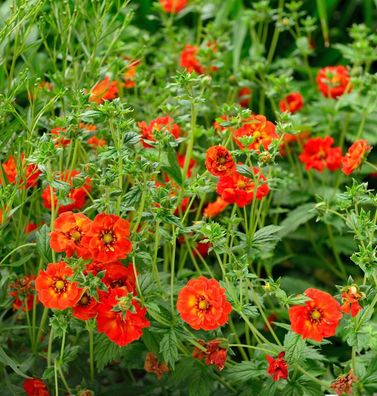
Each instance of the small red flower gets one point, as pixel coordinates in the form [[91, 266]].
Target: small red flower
[[117, 275], [181, 162], [318, 318], [355, 156], [130, 73], [189, 59], [86, 307], [259, 130], [78, 195], [202, 248], [87, 127], [54, 289], [173, 6], [95, 142], [202, 304], [106, 238], [30, 227], [334, 81], [213, 355], [59, 137], [69, 229], [152, 365], [159, 124], [343, 384], [278, 368], [215, 208], [292, 103], [120, 317], [318, 154], [244, 96], [104, 90], [23, 291], [35, 387], [241, 190], [20, 173], [219, 161], [351, 297]]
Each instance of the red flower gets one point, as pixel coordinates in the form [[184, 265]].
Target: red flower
[[292, 103], [76, 195], [333, 81], [35, 387], [86, 307], [23, 290], [95, 142], [318, 153], [117, 275], [130, 73], [20, 173], [173, 6], [87, 127], [343, 384], [181, 162], [351, 297], [60, 140], [355, 156], [202, 304], [215, 208], [219, 161], [318, 318], [241, 190], [290, 138], [165, 124], [30, 227], [69, 229], [259, 130], [106, 238], [202, 248], [189, 60], [120, 317], [244, 96], [224, 119], [278, 368], [213, 355], [94, 267], [54, 289], [104, 90], [152, 365]]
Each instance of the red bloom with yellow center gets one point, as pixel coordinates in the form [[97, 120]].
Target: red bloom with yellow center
[[86, 307], [355, 156], [54, 289], [278, 368], [120, 317], [24, 175], [35, 387], [69, 228], [77, 196], [215, 208], [106, 238], [292, 103], [219, 161], [241, 190], [104, 90], [350, 298], [318, 318], [117, 275], [158, 124], [318, 154], [189, 60], [334, 81], [173, 6], [203, 305], [259, 130]]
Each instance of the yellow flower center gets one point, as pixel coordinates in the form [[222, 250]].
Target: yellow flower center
[[76, 236], [59, 284], [203, 304], [316, 315], [107, 238]]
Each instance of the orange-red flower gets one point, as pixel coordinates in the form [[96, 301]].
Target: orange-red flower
[[104, 90], [87, 127], [152, 365], [219, 161], [117, 275], [318, 154], [202, 248], [77, 196], [120, 317], [214, 354], [106, 238], [318, 318], [343, 384], [173, 6], [224, 119], [241, 190], [290, 138], [189, 59], [35, 387], [292, 103], [278, 368], [54, 289], [334, 81], [258, 130], [24, 175], [351, 297], [244, 96], [164, 124], [203, 305], [69, 229], [96, 142], [181, 162], [59, 137], [30, 227], [22, 290], [355, 156], [86, 307], [130, 73], [215, 208]]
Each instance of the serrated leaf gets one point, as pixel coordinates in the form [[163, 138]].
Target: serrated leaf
[[169, 348], [294, 347], [105, 351], [43, 243], [8, 361], [244, 371], [297, 217]]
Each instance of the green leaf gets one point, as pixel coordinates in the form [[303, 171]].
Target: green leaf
[[169, 348], [8, 361], [170, 165], [43, 243], [297, 217], [105, 351], [244, 371], [294, 347]]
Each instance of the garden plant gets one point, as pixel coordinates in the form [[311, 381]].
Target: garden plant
[[187, 197]]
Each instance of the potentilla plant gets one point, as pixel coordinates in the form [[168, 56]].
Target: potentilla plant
[[187, 198]]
